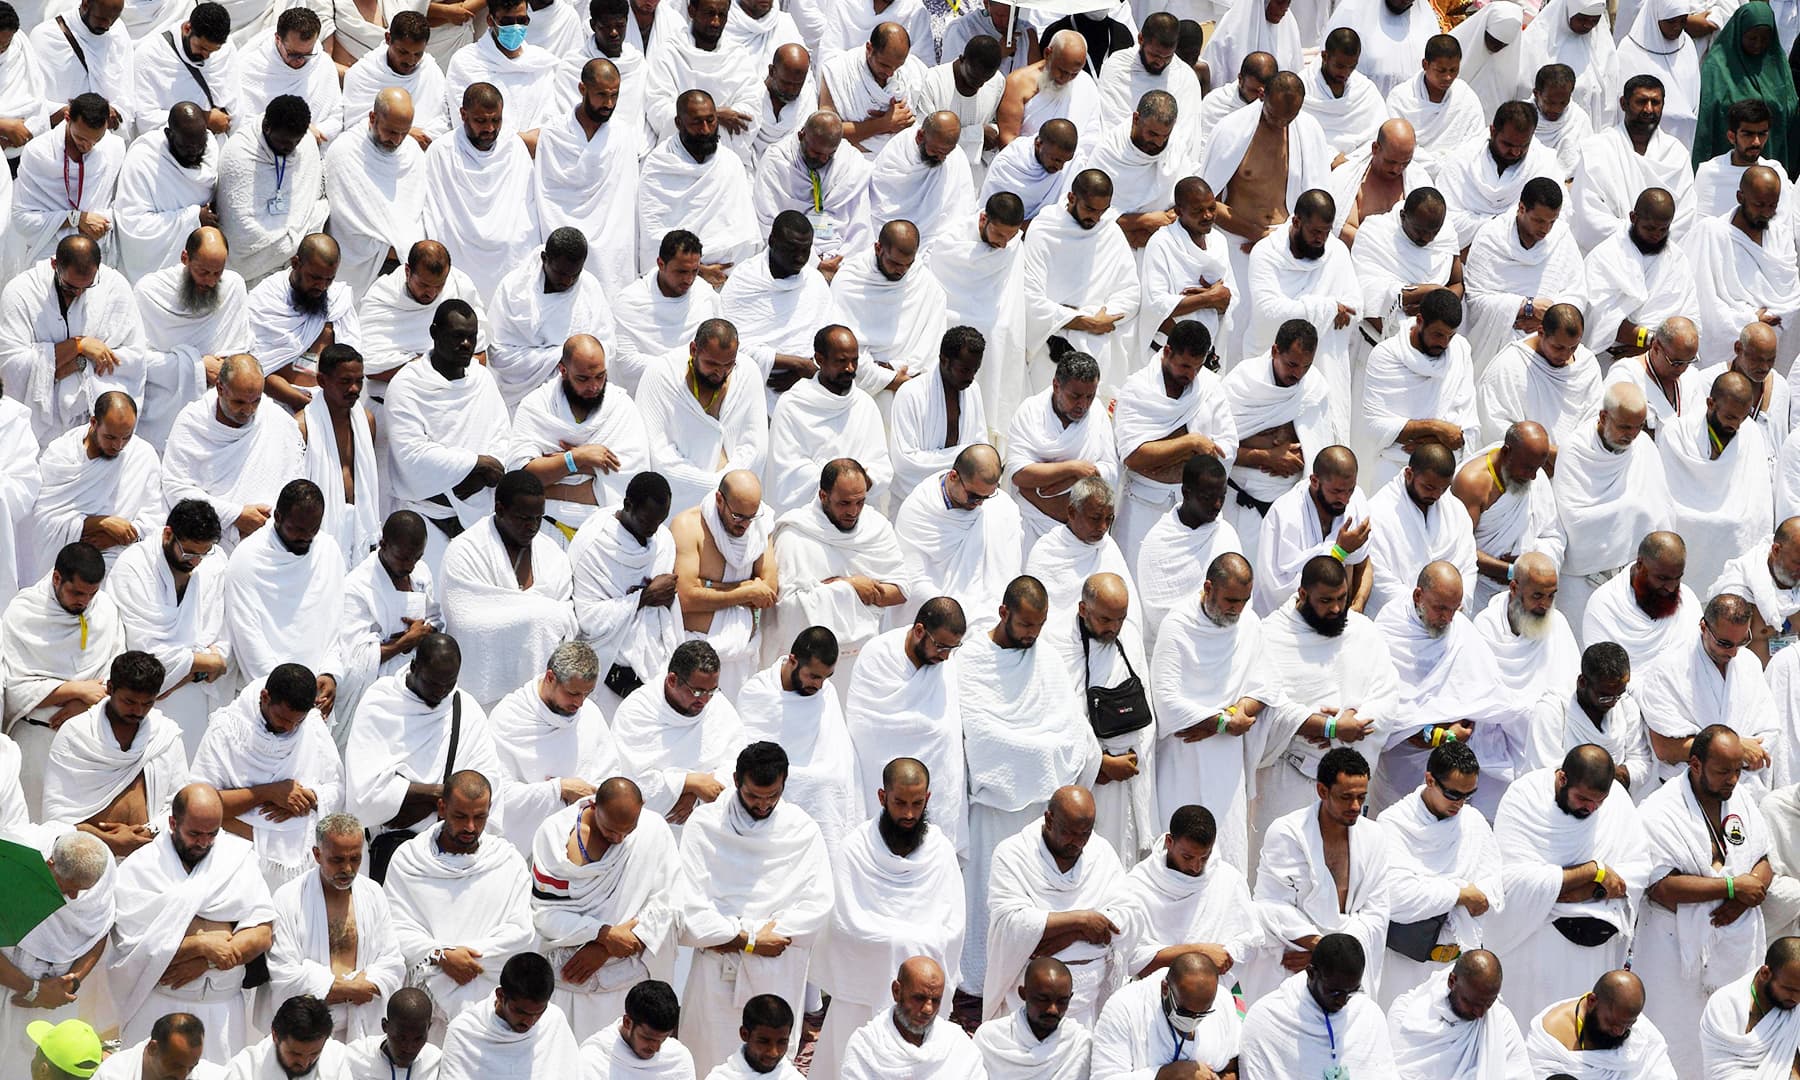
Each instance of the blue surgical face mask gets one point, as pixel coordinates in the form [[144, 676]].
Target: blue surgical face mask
[[511, 36]]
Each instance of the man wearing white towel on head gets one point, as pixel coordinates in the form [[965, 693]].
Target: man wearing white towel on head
[[1548, 378], [1034, 1043], [295, 315], [276, 768], [1057, 890], [447, 431], [375, 182], [685, 182], [691, 54], [523, 1033], [479, 201], [1024, 736], [726, 574], [235, 449], [1454, 1024], [193, 912], [1079, 283], [899, 893], [1171, 1025], [60, 953], [1749, 1028], [585, 172], [284, 595], [460, 901], [1519, 265], [340, 452], [1444, 872], [785, 704], [938, 415], [1319, 1022], [1056, 439], [759, 893], [1413, 525], [657, 313], [538, 306], [870, 86], [602, 877], [98, 483], [1575, 867], [114, 769], [823, 418], [1600, 1035], [165, 191], [1742, 269], [193, 314], [703, 417], [895, 308], [334, 935], [1168, 411], [504, 580], [913, 1034], [1702, 924], [963, 532]]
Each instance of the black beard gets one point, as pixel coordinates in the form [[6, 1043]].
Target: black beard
[[1645, 247], [576, 401], [1562, 803], [1322, 625], [701, 147], [901, 840], [310, 305]]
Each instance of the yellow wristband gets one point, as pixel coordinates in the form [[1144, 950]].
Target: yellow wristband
[[750, 944], [1643, 336], [1600, 876]]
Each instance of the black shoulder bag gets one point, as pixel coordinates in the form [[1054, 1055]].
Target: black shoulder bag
[[1114, 710]]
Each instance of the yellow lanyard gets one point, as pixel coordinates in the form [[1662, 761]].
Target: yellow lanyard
[[1499, 483], [818, 194], [82, 619], [1718, 444]]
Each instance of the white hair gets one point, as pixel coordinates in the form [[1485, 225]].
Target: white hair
[[78, 860]]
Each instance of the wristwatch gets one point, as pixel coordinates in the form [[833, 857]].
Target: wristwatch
[[36, 985]]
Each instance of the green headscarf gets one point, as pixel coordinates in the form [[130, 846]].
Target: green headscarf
[[1728, 74]]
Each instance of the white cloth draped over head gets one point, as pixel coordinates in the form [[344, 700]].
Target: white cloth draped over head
[[158, 898], [1244, 29], [898, 324], [1537, 840], [1287, 1034], [1387, 262], [1442, 128], [896, 710], [1406, 538], [691, 448], [609, 565], [1199, 669], [1607, 502], [1501, 273], [1643, 1056], [809, 551], [876, 1050], [281, 607], [1733, 1053], [355, 526], [592, 185], [482, 601], [658, 746], [396, 328], [1431, 1041], [544, 421], [821, 762], [479, 204], [32, 321], [1721, 505], [377, 201], [1024, 734], [478, 1044], [1067, 271], [1025, 888], [1625, 283], [300, 959], [231, 467], [813, 425], [531, 324], [971, 555], [45, 646], [1297, 895], [1495, 76], [73, 487], [1390, 42], [88, 770], [239, 751], [650, 325], [904, 186], [778, 314], [374, 611], [888, 909], [636, 880], [1010, 1050], [158, 202], [398, 740], [918, 429], [436, 429], [1036, 434], [710, 199], [1432, 858], [1611, 174], [1644, 51], [1735, 277], [1167, 907], [1287, 286], [480, 901], [1172, 262]]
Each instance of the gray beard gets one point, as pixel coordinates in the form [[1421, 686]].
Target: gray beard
[[197, 300], [1526, 625]]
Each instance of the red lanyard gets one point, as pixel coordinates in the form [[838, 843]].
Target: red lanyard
[[80, 181]]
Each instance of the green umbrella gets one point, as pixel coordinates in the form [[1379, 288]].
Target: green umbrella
[[28, 894]]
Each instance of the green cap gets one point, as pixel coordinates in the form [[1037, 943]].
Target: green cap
[[71, 1045]]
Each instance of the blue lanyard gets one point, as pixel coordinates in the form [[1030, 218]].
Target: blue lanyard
[[281, 163], [1331, 1038], [1173, 1034]]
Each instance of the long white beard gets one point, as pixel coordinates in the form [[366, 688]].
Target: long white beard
[[1525, 624]]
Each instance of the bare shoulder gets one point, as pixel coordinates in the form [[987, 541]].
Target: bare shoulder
[[685, 528], [1474, 485], [1022, 84]]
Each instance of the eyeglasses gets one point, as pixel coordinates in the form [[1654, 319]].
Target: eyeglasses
[[1456, 796], [741, 519], [699, 694], [1728, 646], [941, 648]]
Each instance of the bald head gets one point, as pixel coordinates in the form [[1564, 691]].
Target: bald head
[[618, 790], [905, 772], [599, 72], [944, 123], [186, 116], [791, 59], [1655, 203], [482, 96], [1733, 387], [1759, 181], [319, 249], [741, 487], [1059, 133], [1758, 343], [394, 104], [1397, 137], [824, 126], [1441, 578], [1479, 968], [918, 972], [980, 463], [1072, 805], [1107, 589], [1534, 568], [1047, 975], [240, 372], [1621, 990], [584, 351], [1068, 46]]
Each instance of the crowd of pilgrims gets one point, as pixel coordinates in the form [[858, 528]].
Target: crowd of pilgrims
[[899, 539]]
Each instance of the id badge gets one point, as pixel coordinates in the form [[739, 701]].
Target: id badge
[[278, 204], [1336, 1072]]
